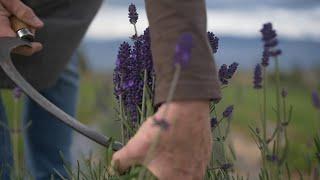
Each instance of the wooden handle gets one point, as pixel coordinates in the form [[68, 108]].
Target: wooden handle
[[22, 29], [17, 24]]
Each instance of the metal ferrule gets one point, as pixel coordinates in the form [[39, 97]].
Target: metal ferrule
[[25, 34]]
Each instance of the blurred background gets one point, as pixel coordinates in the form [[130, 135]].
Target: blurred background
[[237, 23]]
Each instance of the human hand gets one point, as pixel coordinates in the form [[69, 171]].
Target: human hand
[[16, 8], [184, 149]]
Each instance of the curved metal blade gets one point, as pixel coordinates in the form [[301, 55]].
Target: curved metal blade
[[6, 46]]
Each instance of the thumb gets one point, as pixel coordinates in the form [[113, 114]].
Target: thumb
[[134, 152], [23, 12], [123, 159]]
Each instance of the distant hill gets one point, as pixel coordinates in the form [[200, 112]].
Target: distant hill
[[246, 51]]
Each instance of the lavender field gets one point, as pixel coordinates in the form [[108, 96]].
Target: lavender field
[[267, 125]]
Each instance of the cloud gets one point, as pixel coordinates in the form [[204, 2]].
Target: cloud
[[112, 22], [238, 3]]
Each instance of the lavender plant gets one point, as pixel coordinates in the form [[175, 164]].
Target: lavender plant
[[133, 17], [221, 166], [134, 80], [274, 148]]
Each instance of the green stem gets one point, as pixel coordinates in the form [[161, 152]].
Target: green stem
[[15, 138], [135, 29], [143, 114], [264, 117], [284, 110], [121, 119], [278, 107], [264, 120], [173, 87], [285, 120], [224, 155]]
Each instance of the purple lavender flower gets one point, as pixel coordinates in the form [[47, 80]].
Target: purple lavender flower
[[226, 73], [133, 15], [128, 75], [147, 60], [214, 42], [118, 75], [127, 78], [275, 53], [223, 74], [232, 69], [268, 33], [269, 37], [214, 122], [271, 43], [183, 49], [265, 57], [228, 112], [316, 100], [17, 92], [257, 80]]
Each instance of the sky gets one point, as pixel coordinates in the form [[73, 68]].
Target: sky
[[293, 19], [239, 3]]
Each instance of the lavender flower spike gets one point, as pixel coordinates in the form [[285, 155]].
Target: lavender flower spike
[[223, 73], [232, 69], [123, 55], [268, 34], [214, 42], [228, 112], [257, 80], [133, 15], [183, 49], [131, 65], [269, 37], [316, 99], [214, 122], [226, 73], [265, 57]]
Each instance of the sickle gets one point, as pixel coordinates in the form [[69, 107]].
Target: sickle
[[7, 44]]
